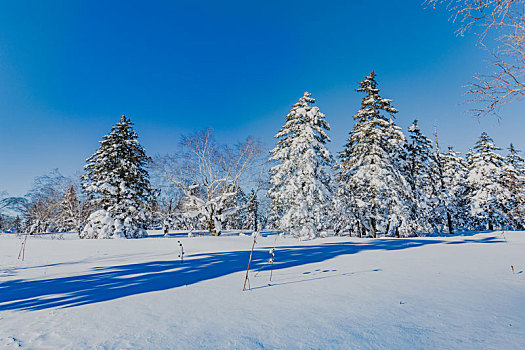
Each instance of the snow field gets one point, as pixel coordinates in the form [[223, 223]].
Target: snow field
[[337, 293]]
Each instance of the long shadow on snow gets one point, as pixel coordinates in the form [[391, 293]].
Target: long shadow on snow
[[108, 283]]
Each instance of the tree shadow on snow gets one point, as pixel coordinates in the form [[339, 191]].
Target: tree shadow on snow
[[113, 282]]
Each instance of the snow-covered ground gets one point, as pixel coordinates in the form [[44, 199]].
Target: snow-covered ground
[[419, 293]]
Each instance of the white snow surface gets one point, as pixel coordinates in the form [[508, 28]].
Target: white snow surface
[[332, 293]]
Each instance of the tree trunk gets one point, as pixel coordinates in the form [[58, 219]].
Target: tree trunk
[[211, 226], [449, 223], [361, 230], [491, 226], [373, 227]]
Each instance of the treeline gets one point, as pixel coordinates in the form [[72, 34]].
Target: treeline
[[382, 182], [385, 182], [122, 191]]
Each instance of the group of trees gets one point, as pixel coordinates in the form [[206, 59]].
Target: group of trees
[[198, 188], [382, 182], [51, 205], [9, 203], [385, 182]]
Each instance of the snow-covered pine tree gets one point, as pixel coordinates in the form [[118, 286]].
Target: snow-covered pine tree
[[484, 178], [372, 183], [252, 212], [454, 194], [17, 224], [116, 182], [189, 213], [442, 216], [421, 176], [72, 213], [344, 218], [513, 179], [300, 182], [238, 203]]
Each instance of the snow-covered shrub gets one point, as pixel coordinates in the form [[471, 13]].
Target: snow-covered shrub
[[101, 225]]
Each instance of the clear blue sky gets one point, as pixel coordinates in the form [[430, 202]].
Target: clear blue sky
[[69, 69]]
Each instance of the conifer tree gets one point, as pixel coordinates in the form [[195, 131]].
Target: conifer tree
[[238, 203], [72, 213], [252, 213], [421, 176], [372, 183], [454, 193], [116, 181], [301, 180], [513, 179], [17, 224], [442, 215], [484, 177]]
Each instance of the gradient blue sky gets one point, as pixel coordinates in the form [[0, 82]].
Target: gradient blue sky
[[69, 69]]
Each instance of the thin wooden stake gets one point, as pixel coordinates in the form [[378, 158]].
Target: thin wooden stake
[[272, 257], [23, 249], [271, 267], [181, 255], [249, 261]]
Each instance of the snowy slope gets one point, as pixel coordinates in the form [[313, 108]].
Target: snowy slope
[[434, 293]]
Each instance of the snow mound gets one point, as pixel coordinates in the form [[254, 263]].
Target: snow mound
[[101, 225]]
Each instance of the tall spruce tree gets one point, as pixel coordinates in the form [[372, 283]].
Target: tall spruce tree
[[116, 181], [454, 193], [442, 215], [301, 180], [513, 179], [252, 212], [485, 179], [372, 183], [72, 212], [421, 176], [238, 202]]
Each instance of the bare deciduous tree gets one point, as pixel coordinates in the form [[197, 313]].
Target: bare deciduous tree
[[53, 205], [504, 20], [9, 207], [208, 174], [10, 203]]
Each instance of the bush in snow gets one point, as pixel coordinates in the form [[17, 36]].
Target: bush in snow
[[101, 225]]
